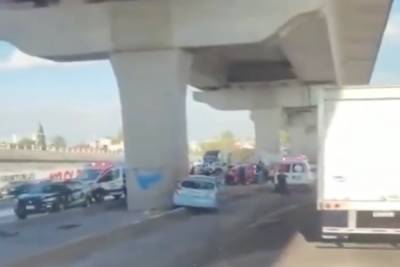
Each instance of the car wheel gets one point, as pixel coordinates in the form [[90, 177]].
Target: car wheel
[[86, 203], [61, 206], [57, 207], [99, 197], [21, 216]]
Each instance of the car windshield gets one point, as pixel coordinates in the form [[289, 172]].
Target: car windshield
[[202, 185], [40, 189], [89, 174]]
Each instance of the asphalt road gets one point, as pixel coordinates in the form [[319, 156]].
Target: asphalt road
[[6, 210], [242, 228], [19, 238], [263, 230]]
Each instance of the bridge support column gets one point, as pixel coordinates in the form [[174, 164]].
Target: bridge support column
[[302, 131], [268, 124], [153, 97]]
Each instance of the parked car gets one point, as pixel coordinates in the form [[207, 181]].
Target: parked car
[[197, 192], [112, 182], [88, 178], [50, 197], [15, 189], [241, 174]]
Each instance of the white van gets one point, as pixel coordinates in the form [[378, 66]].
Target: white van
[[112, 182], [104, 180], [297, 170]]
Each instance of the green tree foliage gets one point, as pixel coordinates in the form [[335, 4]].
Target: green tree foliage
[[243, 155], [226, 143], [59, 141], [41, 138]]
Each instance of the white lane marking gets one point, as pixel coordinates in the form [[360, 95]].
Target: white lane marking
[[272, 217], [161, 214], [175, 210]]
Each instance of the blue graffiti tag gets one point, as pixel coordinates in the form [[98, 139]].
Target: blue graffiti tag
[[148, 179]]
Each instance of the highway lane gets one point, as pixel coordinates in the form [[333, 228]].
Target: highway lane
[[19, 238], [205, 238], [7, 213], [259, 231], [256, 230], [6, 210], [23, 238]]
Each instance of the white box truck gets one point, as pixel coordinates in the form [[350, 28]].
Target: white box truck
[[359, 161]]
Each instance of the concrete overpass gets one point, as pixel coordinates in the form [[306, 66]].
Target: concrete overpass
[[271, 50]]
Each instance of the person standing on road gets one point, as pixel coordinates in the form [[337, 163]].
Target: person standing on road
[[260, 172], [282, 182]]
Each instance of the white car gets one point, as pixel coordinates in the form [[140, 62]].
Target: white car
[[197, 192]]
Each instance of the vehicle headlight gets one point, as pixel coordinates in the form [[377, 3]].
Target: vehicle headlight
[[50, 199]]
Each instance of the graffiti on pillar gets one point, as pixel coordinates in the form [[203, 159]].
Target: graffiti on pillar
[[148, 179]]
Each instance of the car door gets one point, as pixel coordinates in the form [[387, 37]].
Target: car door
[[298, 173], [59, 191], [111, 180], [76, 193]]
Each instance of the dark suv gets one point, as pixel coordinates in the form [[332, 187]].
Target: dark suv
[[15, 189], [50, 197]]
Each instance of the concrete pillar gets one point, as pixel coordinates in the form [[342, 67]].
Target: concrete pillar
[[302, 130], [153, 96], [268, 125]]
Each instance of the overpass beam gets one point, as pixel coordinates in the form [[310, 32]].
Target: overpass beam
[[153, 100]]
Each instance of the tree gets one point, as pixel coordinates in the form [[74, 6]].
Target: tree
[[41, 138], [26, 142], [226, 143], [59, 141]]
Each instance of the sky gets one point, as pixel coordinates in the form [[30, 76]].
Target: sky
[[80, 100]]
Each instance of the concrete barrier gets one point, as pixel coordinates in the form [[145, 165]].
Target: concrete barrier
[[57, 156], [78, 249]]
